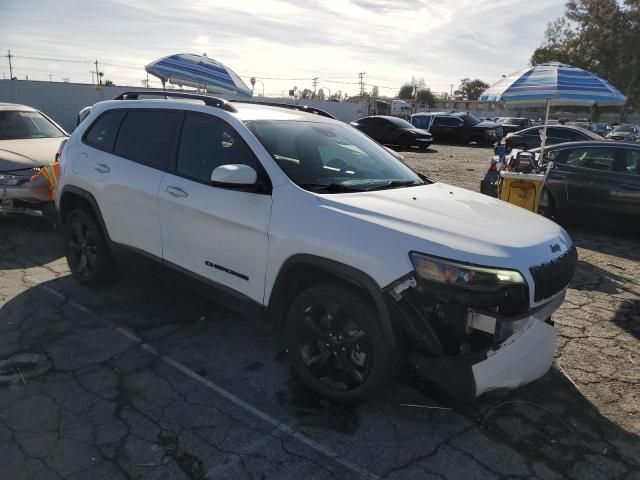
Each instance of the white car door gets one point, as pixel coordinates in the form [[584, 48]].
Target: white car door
[[125, 177], [219, 234]]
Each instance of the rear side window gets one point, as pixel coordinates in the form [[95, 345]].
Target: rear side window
[[146, 137], [592, 157], [421, 121], [208, 142], [439, 121], [570, 135], [103, 131]]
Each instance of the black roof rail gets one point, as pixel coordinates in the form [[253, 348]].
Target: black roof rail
[[302, 108], [208, 101]]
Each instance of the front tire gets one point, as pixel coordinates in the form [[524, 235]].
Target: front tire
[[336, 345], [88, 254], [405, 142]]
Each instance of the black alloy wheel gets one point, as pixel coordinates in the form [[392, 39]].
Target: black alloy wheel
[[86, 248], [336, 346]]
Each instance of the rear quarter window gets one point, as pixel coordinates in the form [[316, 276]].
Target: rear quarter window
[[102, 132]]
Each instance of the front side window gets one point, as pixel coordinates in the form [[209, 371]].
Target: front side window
[[331, 158], [146, 137], [469, 119], [19, 125], [592, 157], [208, 142]]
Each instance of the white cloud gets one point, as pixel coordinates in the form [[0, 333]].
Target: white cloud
[[392, 40]]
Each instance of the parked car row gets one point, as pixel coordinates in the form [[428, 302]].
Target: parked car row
[[425, 128], [598, 179]]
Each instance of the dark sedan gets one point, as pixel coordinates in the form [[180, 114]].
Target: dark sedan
[[514, 124], [531, 137], [588, 178], [393, 131]]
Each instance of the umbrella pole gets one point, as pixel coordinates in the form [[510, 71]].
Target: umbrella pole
[[544, 132]]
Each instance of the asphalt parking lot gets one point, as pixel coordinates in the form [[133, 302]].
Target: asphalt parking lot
[[147, 380]]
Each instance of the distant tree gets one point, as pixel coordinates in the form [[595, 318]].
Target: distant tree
[[426, 97], [320, 94], [109, 83], [601, 36], [406, 92], [306, 94], [470, 89], [375, 91]]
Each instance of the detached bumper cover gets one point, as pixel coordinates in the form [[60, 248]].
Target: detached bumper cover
[[523, 358], [35, 190]]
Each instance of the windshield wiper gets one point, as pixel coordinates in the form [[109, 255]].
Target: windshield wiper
[[395, 184], [331, 187]]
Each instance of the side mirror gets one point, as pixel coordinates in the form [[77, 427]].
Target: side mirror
[[234, 175]]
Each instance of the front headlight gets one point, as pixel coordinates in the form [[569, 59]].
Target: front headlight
[[10, 180], [456, 274]]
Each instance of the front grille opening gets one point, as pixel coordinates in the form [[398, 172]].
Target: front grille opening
[[552, 277]]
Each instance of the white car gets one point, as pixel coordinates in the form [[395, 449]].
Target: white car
[[29, 140], [323, 232]]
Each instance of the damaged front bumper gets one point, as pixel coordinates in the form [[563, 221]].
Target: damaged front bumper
[[468, 343]]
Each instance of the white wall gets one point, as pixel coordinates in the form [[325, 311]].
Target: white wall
[[60, 101], [63, 101]]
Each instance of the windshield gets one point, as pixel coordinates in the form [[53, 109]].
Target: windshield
[[469, 119], [399, 122], [513, 121], [16, 125], [331, 158]]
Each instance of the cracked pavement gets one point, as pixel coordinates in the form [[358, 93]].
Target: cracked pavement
[[146, 380]]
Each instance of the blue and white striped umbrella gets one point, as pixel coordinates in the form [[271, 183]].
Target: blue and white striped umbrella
[[198, 72], [555, 83]]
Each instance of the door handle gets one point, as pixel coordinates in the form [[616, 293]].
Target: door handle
[[102, 168], [176, 192]]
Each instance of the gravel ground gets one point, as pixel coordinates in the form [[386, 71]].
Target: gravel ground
[[146, 380]]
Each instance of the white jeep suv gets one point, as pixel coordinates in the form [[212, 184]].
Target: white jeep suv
[[324, 233]]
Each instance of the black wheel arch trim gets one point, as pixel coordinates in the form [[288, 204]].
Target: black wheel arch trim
[[279, 293], [89, 198]]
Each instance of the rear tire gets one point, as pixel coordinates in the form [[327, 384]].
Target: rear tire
[[547, 206], [336, 344], [88, 254]]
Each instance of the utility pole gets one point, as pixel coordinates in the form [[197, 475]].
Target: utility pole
[[451, 85], [49, 77], [92, 81], [10, 67], [361, 75], [98, 74], [315, 84]]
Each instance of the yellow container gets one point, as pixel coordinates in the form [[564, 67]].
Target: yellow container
[[522, 189]]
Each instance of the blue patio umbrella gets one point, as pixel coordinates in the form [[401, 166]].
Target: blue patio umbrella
[[198, 71], [553, 83]]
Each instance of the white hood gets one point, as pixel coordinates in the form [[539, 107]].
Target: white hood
[[456, 223]]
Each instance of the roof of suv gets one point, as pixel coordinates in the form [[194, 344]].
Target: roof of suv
[[243, 111], [588, 143]]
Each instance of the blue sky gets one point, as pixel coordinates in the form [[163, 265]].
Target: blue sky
[[286, 42]]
